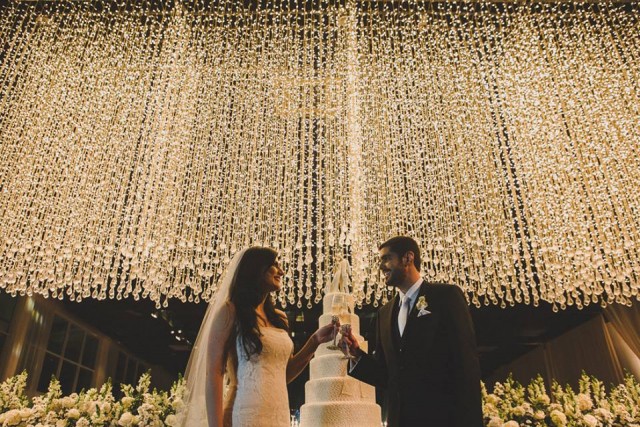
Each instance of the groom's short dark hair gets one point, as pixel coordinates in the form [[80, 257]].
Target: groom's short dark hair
[[401, 245]]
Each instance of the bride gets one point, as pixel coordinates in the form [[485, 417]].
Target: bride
[[243, 357]]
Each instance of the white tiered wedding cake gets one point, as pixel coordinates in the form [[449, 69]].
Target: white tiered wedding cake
[[332, 398]]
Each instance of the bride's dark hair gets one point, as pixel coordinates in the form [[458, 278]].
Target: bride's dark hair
[[247, 292]]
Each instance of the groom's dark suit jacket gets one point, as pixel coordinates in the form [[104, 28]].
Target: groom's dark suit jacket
[[431, 373]]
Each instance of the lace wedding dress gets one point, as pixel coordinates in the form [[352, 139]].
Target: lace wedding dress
[[257, 395]]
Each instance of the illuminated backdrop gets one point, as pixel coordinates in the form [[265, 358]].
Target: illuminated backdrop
[[142, 144]]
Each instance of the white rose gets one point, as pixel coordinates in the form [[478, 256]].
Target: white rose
[[590, 421], [126, 419], [495, 422], [519, 411], [603, 414], [68, 402], [127, 402], [83, 422], [493, 399], [106, 407], [73, 413], [539, 415], [3, 416], [490, 410], [25, 413], [511, 424], [56, 404], [584, 402], [100, 418], [92, 408], [544, 399], [177, 404], [558, 418], [61, 423], [171, 421], [17, 416], [38, 410], [12, 417], [145, 408]]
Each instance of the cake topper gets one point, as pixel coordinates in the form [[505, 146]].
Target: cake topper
[[341, 280]]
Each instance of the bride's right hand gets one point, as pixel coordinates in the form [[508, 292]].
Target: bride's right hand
[[325, 333]]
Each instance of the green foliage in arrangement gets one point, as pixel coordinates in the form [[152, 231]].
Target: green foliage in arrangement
[[513, 405], [510, 405], [94, 407]]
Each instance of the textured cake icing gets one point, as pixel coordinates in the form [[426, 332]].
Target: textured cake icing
[[332, 398], [340, 414]]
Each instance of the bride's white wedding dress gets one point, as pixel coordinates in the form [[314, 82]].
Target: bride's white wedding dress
[[257, 392], [257, 395]]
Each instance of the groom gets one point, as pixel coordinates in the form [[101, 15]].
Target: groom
[[425, 353]]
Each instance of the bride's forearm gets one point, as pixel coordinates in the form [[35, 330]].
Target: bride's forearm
[[214, 401], [300, 360]]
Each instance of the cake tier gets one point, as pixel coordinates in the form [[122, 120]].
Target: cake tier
[[338, 389], [327, 301], [346, 318], [329, 365], [323, 350], [340, 414]]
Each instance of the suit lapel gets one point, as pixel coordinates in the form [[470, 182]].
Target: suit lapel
[[389, 335], [395, 331]]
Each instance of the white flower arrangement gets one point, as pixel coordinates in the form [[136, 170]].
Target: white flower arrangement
[[511, 404], [12, 393], [93, 408], [558, 418]]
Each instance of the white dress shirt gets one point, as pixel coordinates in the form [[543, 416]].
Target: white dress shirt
[[407, 301], [411, 293]]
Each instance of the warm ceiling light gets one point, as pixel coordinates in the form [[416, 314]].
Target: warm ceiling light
[[140, 148]]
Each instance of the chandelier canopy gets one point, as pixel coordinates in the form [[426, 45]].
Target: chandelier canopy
[[142, 144]]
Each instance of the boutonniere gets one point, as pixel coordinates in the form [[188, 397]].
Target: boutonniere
[[422, 305]]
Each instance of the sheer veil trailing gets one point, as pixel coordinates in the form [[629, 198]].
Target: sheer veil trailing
[[195, 411]]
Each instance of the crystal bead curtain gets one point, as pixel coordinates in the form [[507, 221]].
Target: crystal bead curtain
[[143, 143]]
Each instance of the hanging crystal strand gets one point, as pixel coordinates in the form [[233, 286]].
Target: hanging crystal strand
[[143, 144], [355, 238]]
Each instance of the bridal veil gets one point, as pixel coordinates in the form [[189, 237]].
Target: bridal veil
[[195, 412]]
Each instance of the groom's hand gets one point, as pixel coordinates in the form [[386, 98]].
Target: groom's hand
[[349, 341]]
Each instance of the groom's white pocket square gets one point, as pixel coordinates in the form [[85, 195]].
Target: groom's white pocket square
[[423, 312]]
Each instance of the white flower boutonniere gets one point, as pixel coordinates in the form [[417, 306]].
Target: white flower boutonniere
[[422, 305]]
